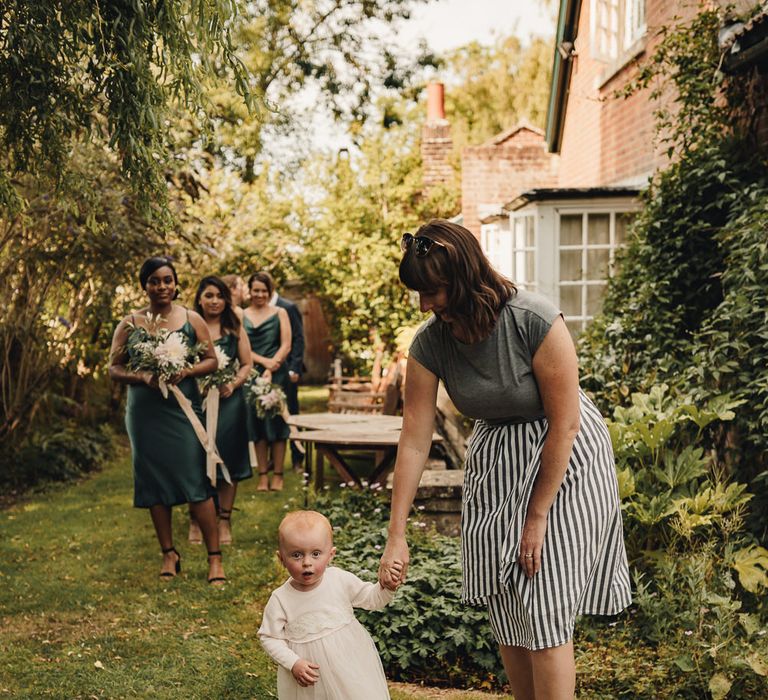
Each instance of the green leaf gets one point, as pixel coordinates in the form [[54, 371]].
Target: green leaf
[[751, 564], [719, 686]]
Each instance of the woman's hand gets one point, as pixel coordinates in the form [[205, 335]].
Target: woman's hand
[[226, 390], [266, 374], [395, 558], [177, 378], [272, 364], [531, 543], [150, 379]]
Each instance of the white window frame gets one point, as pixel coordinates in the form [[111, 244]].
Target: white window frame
[[497, 250], [521, 250], [616, 26], [583, 318]]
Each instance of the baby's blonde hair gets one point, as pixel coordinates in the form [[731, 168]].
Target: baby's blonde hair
[[305, 520]]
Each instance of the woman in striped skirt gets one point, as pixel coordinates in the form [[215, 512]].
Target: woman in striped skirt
[[541, 523]]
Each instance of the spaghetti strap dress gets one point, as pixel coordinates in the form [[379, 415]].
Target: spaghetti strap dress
[[168, 460], [584, 566], [232, 428], [265, 340]]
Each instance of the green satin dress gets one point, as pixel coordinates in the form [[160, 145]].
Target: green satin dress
[[265, 340], [232, 430], [168, 460]]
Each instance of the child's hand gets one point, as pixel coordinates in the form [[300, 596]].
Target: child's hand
[[305, 672], [394, 573]]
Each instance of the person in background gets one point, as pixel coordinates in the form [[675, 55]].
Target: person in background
[[269, 334], [169, 466], [212, 302], [238, 290], [294, 364]]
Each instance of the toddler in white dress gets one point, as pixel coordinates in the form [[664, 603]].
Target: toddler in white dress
[[309, 626]]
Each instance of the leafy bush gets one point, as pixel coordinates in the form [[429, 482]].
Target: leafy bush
[[426, 634], [699, 575], [63, 451]]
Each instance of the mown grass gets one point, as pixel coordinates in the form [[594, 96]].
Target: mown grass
[[83, 613]]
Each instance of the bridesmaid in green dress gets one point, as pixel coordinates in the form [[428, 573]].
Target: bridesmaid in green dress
[[269, 333], [168, 460], [213, 302]]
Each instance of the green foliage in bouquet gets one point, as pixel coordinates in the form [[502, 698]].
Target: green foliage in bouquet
[[426, 634]]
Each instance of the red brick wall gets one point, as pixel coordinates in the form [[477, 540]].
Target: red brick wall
[[607, 139], [494, 174]]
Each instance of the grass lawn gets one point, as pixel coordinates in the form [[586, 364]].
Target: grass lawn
[[83, 613]]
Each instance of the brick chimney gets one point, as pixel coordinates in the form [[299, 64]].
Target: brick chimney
[[436, 142]]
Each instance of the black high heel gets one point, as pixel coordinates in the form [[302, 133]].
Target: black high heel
[[216, 579], [168, 574]]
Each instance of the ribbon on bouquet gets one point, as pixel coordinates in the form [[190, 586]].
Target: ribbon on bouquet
[[211, 425], [208, 442]]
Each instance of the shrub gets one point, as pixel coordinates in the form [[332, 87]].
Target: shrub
[[64, 451], [427, 634], [699, 574]]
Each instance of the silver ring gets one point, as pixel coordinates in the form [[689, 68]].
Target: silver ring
[[528, 556]]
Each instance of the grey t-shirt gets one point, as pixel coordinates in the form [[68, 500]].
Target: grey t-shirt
[[492, 379]]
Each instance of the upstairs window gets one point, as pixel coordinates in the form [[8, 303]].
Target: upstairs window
[[616, 26]]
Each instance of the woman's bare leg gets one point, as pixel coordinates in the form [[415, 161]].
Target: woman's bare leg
[[205, 514], [227, 494], [161, 519], [519, 669], [278, 458], [262, 459], [554, 672]]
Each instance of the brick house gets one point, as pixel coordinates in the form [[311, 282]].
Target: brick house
[[550, 209]]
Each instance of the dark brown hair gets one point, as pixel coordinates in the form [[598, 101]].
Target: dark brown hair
[[476, 292], [230, 323], [265, 278]]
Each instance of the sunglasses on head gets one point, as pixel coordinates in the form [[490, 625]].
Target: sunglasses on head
[[422, 244]]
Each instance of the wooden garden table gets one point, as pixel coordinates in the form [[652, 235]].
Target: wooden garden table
[[330, 434]]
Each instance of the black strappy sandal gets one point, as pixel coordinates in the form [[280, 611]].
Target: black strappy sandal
[[216, 579], [168, 574]]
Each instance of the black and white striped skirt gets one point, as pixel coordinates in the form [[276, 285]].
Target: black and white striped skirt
[[583, 563]]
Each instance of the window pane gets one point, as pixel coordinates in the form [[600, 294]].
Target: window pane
[[570, 265], [623, 222], [530, 240], [595, 296], [597, 264], [570, 300], [570, 229], [575, 327], [598, 229], [519, 225], [530, 267]]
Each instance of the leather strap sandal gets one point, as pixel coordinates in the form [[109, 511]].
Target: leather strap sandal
[[169, 574], [216, 579]]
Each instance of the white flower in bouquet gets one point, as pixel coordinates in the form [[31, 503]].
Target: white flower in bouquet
[[162, 352], [224, 374], [172, 354], [267, 398], [221, 357]]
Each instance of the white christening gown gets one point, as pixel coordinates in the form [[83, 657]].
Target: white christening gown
[[320, 626]]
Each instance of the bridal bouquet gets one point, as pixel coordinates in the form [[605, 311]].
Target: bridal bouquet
[[160, 351], [224, 374], [267, 398]]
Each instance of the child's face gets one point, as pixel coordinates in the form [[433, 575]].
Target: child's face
[[306, 552]]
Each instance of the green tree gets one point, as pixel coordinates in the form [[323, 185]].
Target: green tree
[[109, 69]]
